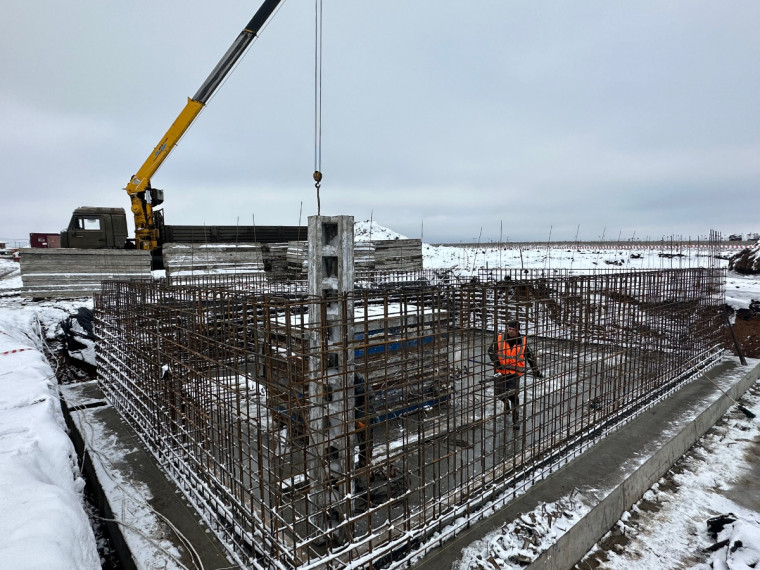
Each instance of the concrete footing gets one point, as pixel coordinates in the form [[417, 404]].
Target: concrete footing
[[149, 522]]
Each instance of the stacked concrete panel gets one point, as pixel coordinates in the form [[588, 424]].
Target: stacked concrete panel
[[297, 258], [398, 255], [189, 259], [364, 255], [67, 273], [275, 257]]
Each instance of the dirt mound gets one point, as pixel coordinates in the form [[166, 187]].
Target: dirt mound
[[747, 261], [747, 329]]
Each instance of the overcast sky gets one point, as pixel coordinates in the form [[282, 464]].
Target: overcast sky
[[451, 121]]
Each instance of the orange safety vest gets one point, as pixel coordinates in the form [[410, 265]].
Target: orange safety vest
[[511, 358]]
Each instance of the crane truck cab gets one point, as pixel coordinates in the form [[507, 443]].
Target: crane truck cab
[[97, 228]]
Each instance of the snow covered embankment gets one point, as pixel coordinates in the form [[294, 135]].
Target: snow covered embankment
[[42, 519]]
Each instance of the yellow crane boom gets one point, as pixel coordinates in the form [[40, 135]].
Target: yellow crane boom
[[148, 220]]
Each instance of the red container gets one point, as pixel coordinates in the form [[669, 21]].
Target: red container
[[45, 240]]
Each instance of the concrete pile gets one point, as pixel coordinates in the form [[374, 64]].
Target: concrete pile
[[80, 272]]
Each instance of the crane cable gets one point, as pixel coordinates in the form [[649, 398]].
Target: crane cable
[[318, 98]]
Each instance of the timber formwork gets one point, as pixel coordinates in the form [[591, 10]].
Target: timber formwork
[[214, 375]]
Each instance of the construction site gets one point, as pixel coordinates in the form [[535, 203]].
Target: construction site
[[315, 399], [344, 419]]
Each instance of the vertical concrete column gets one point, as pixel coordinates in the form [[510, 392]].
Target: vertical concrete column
[[331, 368]]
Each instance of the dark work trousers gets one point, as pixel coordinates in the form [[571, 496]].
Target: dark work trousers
[[507, 389]]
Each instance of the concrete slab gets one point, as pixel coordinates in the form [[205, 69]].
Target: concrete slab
[[150, 523], [615, 473]]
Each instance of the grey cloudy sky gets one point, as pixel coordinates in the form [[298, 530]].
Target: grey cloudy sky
[[455, 120]]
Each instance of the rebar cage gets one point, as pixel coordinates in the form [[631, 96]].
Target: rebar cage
[[213, 373]]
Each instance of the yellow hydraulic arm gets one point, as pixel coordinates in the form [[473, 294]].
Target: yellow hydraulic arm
[[144, 198]]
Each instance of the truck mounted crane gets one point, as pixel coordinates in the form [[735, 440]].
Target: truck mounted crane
[[145, 199], [97, 228]]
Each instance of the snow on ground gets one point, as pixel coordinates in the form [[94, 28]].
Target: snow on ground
[[42, 517], [740, 289], [520, 542], [43, 520], [668, 527]]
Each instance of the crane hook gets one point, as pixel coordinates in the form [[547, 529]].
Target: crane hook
[[317, 180]]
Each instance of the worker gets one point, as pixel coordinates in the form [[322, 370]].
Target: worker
[[509, 353]]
